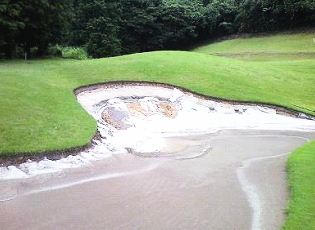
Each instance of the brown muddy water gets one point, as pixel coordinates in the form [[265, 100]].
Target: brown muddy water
[[233, 179]]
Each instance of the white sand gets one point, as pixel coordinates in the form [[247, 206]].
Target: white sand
[[145, 127], [224, 180]]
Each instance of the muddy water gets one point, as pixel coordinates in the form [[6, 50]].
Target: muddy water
[[228, 180]]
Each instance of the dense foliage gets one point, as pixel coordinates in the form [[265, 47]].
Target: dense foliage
[[114, 27], [26, 24]]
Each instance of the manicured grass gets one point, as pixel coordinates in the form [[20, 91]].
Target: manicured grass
[[287, 58], [301, 208], [265, 48], [39, 111]]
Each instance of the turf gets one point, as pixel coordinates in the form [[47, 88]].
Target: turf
[[284, 47], [301, 208], [39, 110]]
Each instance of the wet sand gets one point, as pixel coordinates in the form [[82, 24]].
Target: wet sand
[[238, 183]]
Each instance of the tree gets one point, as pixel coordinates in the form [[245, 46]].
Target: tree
[[269, 15], [300, 12], [113, 27], [261, 15], [155, 25], [46, 22], [224, 13], [32, 23], [10, 25], [96, 26], [139, 26], [180, 19]]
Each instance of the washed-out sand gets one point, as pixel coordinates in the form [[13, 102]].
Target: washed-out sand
[[170, 161]]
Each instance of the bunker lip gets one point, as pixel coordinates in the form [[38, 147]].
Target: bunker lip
[[121, 86]]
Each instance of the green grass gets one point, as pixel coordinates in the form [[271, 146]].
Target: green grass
[[301, 208], [39, 111], [277, 47]]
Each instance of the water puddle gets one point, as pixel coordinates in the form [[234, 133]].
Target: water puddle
[[119, 165]]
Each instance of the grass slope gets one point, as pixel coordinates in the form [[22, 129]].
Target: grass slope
[[39, 111]]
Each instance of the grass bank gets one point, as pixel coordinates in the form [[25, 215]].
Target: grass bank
[[39, 111]]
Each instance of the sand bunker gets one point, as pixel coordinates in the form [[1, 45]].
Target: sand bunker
[[180, 161], [136, 118], [132, 115]]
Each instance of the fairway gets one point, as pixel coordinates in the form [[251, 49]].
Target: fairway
[[280, 47]]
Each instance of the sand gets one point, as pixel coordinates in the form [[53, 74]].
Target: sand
[[240, 183], [163, 159], [136, 117]]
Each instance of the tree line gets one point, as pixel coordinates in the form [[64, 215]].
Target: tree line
[[114, 27]]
